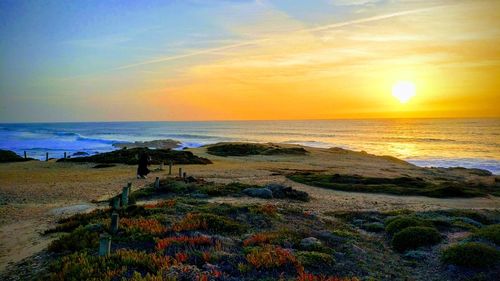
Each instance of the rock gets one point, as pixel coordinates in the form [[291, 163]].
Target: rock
[[191, 179], [258, 192], [282, 191], [199, 195], [310, 243], [416, 255]]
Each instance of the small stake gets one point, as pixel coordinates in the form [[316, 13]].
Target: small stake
[[115, 219], [116, 202], [125, 196], [129, 187], [180, 172], [184, 176], [25, 155], [157, 182], [64, 155], [170, 167], [46, 156], [104, 245]]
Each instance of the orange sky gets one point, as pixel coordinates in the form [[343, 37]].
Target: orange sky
[[275, 62]]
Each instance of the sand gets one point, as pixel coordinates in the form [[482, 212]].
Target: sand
[[33, 195]]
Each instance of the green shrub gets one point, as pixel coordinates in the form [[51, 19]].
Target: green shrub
[[373, 227], [414, 237], [81, 238], [315, 260], [129, 156], [471, 254], [490, 232], [397, 224], [245, 149], [212, 189]]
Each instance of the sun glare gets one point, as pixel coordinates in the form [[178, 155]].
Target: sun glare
[[403, 91]]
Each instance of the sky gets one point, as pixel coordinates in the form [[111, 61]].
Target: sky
[[247, 60]]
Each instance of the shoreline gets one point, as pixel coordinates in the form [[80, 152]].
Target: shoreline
[[421, 162]]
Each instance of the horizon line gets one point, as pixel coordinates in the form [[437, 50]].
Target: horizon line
[[248, 120]]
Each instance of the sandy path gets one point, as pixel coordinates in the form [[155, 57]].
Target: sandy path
[[35, 194]]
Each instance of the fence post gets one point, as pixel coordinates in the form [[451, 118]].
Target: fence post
[[125, 196], [180, 172], [65, 155], [157, 182], [104, 245], [184, 176], [114, 222], [129, 187], [116, 202], [46, 156], [170, 167], [25, 155]]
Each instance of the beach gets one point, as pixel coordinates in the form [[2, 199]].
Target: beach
[[36, 193]]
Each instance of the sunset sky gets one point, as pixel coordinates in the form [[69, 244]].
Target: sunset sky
[[220, 60]]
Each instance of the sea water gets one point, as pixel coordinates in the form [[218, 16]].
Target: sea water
[[471, 143]]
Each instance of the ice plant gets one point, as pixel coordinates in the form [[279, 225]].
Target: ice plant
[[145, 225], [312, 277], [259, 239], [192, 241], [181, 257], [271, 257], [190, 222]]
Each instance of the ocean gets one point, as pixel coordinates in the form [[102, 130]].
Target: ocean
[[470, 143]]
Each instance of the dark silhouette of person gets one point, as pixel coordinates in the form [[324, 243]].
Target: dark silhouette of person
[[142, 169]]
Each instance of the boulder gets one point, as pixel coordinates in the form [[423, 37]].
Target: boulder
[[282, 191], [258, 192], [310, 243]]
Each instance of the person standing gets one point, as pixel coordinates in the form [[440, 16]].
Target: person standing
[[142, 169]]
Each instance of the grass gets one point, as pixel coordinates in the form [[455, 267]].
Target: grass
[[397, 186], [246, 149], [129, 156]]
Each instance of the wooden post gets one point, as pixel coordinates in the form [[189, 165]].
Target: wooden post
[[170, 167], [65, 155], [157, 182], [115, 220], [161, 166], [104, 245], [184, 176], [129, 187], [180, 172], [125, 196], [116, 202], [46, 156], [25, 155]]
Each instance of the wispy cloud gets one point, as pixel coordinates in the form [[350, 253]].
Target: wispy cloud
[[261, 40]]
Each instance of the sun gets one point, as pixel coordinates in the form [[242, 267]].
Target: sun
[[403, 91]]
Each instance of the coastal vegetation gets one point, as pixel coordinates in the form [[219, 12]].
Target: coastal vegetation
[[246, 149], [179, 237], [10, 156], [398, 186], [130, 157]]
